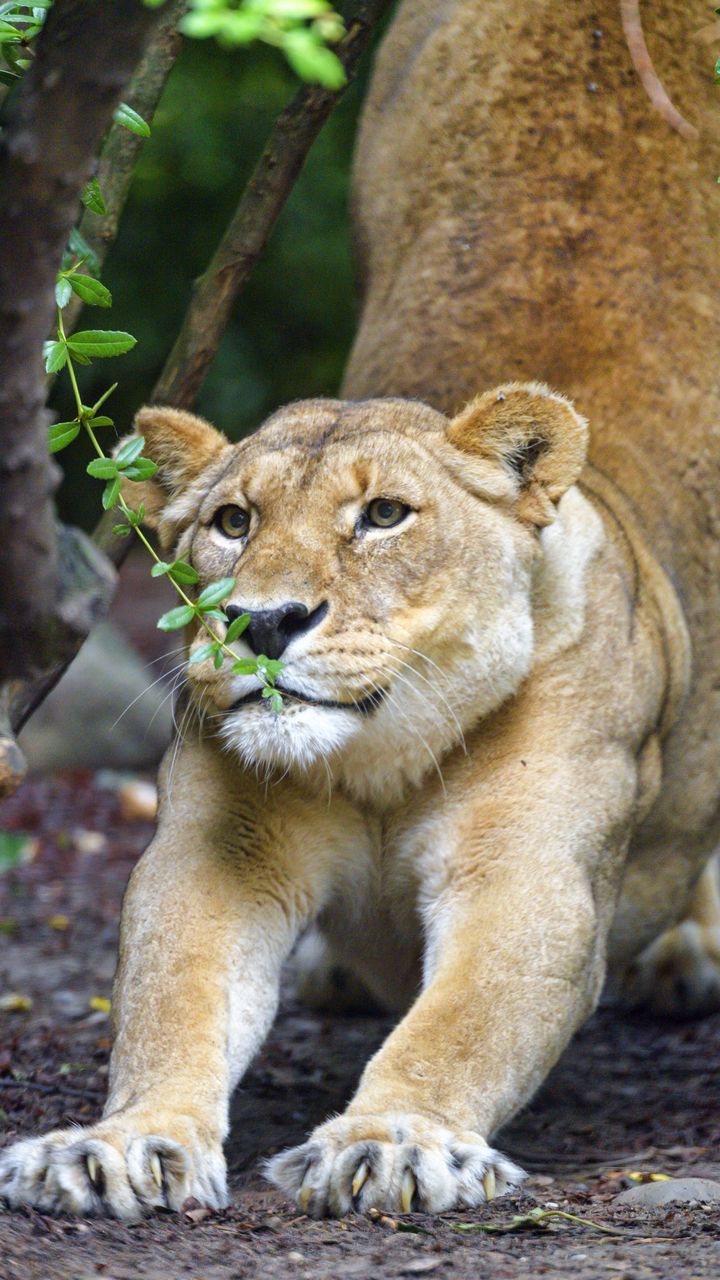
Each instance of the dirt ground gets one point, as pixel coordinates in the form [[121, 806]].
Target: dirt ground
[[629, 1095]]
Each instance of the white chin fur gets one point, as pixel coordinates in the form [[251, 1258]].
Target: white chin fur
[[294, 740]]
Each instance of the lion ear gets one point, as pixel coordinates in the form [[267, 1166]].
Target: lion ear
[[181, 445], [534, 435]]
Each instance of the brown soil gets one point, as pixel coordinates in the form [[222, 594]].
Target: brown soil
[[630, 1094]]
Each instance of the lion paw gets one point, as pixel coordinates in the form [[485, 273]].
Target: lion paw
[[399, 1163], [679, 974], [106, 1171]]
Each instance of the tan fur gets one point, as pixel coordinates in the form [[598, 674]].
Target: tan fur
[[533, 801]]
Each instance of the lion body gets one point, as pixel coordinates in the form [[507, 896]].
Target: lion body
[[522, 211], [496, 776]]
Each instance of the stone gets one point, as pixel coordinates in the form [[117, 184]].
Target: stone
[[104, 712], [651, 1195]]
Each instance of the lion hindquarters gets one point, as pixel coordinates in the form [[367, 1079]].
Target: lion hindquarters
[[679, 973]]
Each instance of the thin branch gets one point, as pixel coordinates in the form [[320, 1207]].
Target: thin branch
[[635, 40], [121, 149]]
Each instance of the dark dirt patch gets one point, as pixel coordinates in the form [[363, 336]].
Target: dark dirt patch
[[630, 1094]]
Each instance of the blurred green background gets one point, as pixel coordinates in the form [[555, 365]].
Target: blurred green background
[[292, 327]]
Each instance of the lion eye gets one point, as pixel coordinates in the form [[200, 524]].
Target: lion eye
[[385, 512], [232, 521]]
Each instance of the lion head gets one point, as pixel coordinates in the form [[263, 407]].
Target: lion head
[[390, 557]]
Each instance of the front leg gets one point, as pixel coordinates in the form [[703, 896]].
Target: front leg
[[517, 912], [211, 912]]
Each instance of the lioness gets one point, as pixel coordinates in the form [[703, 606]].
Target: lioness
[[496, 774]]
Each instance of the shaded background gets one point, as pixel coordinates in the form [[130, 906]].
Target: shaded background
[[291, 330]]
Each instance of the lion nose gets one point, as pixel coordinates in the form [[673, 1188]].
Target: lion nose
[[270, 630]]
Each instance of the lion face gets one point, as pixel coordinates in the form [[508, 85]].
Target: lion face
[[385, 556]]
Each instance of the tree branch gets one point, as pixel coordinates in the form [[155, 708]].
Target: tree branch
[[121, 149], [85, 55], [249, 229]]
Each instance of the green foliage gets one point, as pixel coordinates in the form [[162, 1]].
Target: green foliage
[[129, 463], [14, 849], [19, 25], [130, 119], [302, 29]]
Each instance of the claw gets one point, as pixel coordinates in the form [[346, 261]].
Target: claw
[[156, 1169], [304, 1198], [361, 1176], [489, 1183], [407, 1191], [92, 1165]]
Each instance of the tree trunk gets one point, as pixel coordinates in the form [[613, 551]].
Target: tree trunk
[[64, 105]]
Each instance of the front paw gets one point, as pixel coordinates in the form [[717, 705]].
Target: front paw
[[111, 1170], [399, 1163]]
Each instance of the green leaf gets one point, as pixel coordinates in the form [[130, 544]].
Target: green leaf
[[215, 593], [215, 613], [176, 618], [143, 469], [92, 197], [244, 667], [182, 572], [101, 342], [122, 530], [159, 569], [90, 290], [205, 651], [7, 77], [136, 517], [130, 119], [312, 61], [102, 421], [61, 435], [130, 450], [218, 659], [9, 34], [102, 468], [14, 849], [271, 667], [299, 8], [56, 354], [236, 628], [201, 25], [276, 703], [78, 245], [111, 493], [63, 291]]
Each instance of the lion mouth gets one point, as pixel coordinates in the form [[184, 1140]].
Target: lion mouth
[[363, 706]]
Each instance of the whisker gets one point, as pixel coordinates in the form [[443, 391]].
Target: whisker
[[165, 676], [435, 690]]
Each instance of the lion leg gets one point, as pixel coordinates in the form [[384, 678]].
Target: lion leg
[[678, 975], [209, 917], [514, 964]]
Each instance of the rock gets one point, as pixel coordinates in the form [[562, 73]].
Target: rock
[[138, 801], [103, 713], [650, 1195]]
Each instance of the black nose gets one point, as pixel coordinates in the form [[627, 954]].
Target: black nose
[[271, 630]]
